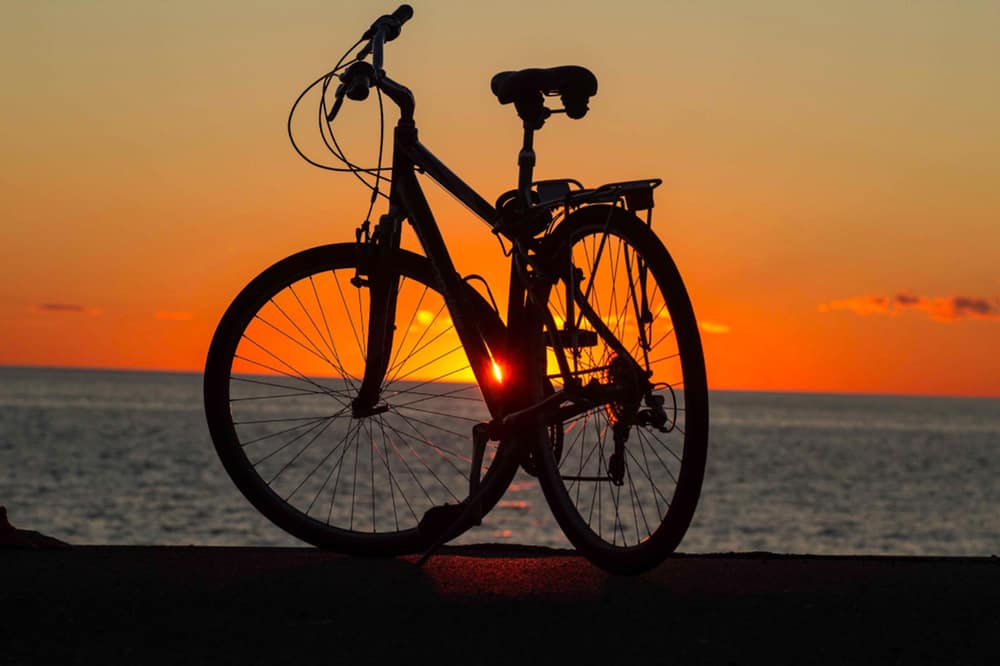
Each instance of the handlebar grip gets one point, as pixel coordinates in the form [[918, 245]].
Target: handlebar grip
[[390, 24], [403, 14]]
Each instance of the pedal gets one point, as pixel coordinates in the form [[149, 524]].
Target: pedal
[[439, 520], [446, 522], [573, 338]]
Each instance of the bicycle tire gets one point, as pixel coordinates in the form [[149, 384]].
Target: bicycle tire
[[632, 526], [279, 374]]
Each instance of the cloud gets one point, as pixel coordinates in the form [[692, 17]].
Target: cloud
[[713, 328], [954, 308], [974, 307], [164, 315], [943, 309], [67, 308]]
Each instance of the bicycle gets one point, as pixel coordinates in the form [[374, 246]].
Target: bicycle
[[371, 400]]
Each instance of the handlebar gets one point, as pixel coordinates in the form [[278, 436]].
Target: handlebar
[[361, 76], [385, 29]]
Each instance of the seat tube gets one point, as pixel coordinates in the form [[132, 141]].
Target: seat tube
[[526, 347], [524, 337]]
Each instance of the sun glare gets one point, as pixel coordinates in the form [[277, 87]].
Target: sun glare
[[497, 372]]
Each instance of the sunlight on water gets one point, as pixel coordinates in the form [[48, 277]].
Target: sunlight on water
[[125, 458]]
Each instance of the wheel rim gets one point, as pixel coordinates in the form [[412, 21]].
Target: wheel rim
[[295, 364]]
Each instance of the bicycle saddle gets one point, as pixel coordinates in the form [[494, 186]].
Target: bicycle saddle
[[526, 89]]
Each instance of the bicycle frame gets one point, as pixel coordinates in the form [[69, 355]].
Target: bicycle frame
[[520, 391]]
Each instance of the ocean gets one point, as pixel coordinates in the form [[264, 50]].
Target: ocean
[[106, 457]]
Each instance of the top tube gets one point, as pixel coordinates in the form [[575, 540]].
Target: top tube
[[448, 179]]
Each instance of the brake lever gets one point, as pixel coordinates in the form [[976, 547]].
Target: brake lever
[[337, 103]]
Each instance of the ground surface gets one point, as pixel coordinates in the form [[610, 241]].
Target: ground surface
[[489, 604]]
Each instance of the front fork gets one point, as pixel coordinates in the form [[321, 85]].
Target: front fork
[[381, 277]]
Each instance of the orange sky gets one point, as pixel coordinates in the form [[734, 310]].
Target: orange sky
[[830, 172]]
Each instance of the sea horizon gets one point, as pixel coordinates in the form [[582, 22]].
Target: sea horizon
[[804, 392]]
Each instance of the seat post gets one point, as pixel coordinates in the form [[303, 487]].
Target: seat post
[[526, 166]]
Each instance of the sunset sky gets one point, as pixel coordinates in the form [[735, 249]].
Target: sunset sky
[[831, 170]]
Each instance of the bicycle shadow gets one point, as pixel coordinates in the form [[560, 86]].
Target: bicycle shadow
[[454, 608]]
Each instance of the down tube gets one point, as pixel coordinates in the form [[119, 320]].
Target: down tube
[[462, 315]]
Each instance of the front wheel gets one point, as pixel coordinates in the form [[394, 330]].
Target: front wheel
[[625, 484], [285, 363]]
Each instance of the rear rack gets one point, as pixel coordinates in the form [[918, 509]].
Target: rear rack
[[638, 194], [548, 195]]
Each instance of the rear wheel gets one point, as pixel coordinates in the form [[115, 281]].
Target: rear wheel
[[627, 479], [282, 370]]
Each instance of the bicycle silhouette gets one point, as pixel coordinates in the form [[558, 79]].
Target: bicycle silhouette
[[371, 400]]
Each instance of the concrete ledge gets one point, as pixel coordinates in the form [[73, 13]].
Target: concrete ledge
[[488, 605]]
